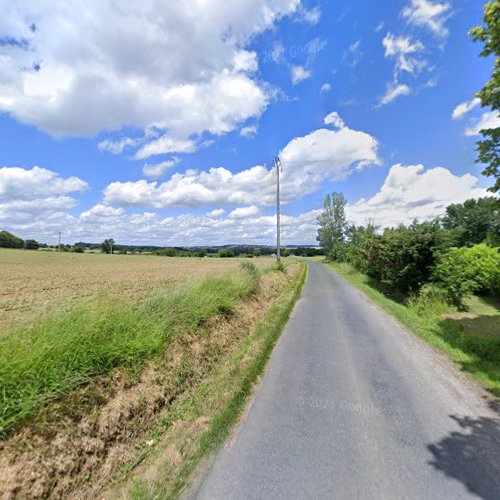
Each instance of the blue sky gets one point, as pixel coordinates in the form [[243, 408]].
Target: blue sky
[[158, 123]]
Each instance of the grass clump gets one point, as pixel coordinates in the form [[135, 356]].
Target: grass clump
[[475, 351], [45, 360]]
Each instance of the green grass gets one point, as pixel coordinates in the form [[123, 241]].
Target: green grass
[[43, 361], [473, 350], [228, 392]]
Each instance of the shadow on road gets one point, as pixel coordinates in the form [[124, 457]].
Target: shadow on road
[[471, 455]]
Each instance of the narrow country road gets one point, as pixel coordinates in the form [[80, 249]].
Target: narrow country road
[[353, 406]]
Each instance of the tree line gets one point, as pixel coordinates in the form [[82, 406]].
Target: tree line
[[457, 254]]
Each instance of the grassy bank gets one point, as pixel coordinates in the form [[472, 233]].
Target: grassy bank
[[201, 422], [44, 360], [474, 348]]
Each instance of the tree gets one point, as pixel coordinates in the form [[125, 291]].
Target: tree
[[489, 34], [107, 245], [226, 252], [473, 222], [257, 252], [201, 252], [8, 240], [332, 225], [31, 245]]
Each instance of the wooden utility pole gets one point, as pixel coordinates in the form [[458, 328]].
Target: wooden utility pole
[[277, 162]]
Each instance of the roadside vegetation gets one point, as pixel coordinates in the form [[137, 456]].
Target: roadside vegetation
[[441, 278], [87, 387]]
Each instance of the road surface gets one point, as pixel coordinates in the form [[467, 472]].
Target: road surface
[[354, 406]]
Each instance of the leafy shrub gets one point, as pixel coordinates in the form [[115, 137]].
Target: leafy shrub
[[462, 271], [403, 257]]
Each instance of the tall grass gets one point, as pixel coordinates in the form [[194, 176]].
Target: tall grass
[[42, 361]]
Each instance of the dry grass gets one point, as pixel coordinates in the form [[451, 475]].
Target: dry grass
[[36, 283]]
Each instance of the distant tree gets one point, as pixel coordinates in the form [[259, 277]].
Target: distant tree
[[201, 252], [332, 225], [78, 249], [226, 252], [285, 252], [489, 34], [473, 222], [167, 252], [107, 245], [8, 240], [257, 252], [31, 245]]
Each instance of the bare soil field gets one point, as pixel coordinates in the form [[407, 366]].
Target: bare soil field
[[33, 283]]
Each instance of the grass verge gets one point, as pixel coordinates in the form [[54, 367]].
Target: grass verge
[[201, 422], [477, 354], [45, 360]]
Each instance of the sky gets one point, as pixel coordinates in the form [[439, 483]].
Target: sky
[[157, 122]]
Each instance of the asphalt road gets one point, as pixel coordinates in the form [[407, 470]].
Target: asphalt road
[[354, 406]]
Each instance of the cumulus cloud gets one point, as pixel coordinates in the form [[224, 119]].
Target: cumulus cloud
[[488, 120], [411, 192], [243, 212], [308, 161], [403, 50], [99, 212], [216, 212], [334, 119], [156, 170], [29, 193], [465, 107], [299, 74], [394, 90], [181, 68], [18, 183], [429, 14], [408, 192]]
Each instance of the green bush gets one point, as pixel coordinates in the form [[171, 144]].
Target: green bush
[[462, 271], [403, 257]]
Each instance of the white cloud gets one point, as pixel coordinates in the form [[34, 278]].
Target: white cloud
[[299, 74], [326, 87], [118, 146], [243, 212], [36, 183], [401, 49], [488, 120], [334, 119], [429, 14], [408, 192], [156, 170], [249, 131], [181, 68], [394, 90], [307, 161], [26, 194], [462, 109], [99, 212], [216, 212], [411, 192], [165, 145]]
